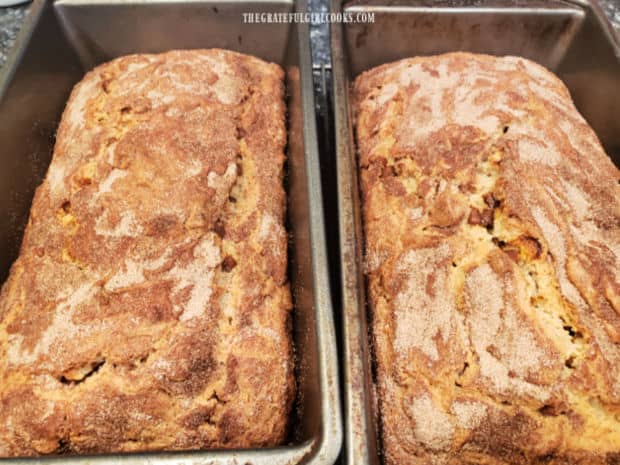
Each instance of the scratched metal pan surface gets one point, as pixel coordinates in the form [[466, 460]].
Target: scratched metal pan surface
[[572, 37], [62, 40]]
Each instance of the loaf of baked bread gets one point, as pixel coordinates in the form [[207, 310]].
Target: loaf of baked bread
[[149, 307], [492, 228]]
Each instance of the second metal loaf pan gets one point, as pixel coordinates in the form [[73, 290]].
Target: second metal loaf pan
[[572, 38]]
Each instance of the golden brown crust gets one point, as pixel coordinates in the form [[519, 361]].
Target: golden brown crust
[[492, 223], [149, 306]]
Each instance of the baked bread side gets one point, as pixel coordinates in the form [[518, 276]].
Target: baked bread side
[[492, 234], [149, 306]]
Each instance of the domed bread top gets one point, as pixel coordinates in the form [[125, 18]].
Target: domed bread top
[[492, 227], [149, 306]]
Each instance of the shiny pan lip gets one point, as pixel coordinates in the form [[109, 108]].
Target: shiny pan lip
[[61, 40], [4, 3], [583, 48]]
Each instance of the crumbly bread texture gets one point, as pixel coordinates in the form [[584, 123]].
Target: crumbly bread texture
[[492, 223], [149, 307]]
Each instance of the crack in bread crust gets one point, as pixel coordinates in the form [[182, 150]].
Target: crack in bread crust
[[149, 306], [492, 227]]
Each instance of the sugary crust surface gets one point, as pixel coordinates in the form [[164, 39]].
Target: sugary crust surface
[[149, 307], [492, 227]]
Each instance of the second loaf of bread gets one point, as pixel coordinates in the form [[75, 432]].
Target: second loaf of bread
[[492, 222]]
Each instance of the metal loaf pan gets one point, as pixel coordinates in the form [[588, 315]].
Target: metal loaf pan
[[571, 37], [62, 40]]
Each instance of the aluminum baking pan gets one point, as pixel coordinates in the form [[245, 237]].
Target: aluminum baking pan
[[63, 39], [573, 38]]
